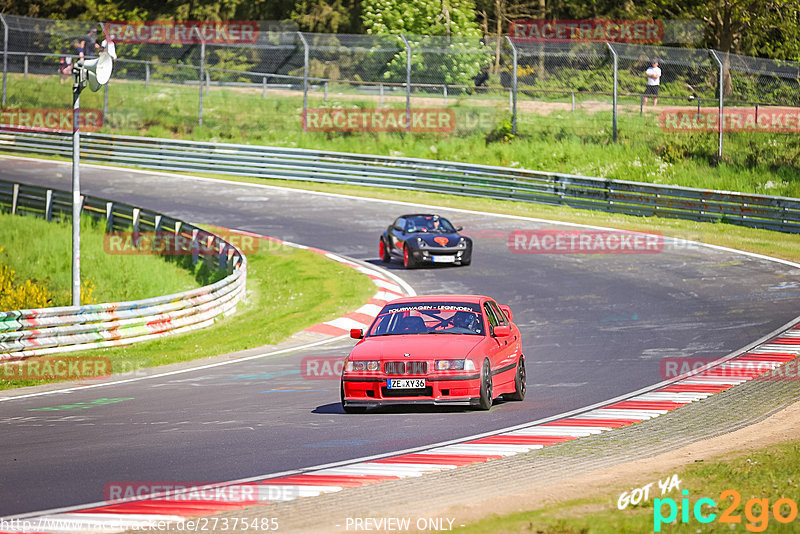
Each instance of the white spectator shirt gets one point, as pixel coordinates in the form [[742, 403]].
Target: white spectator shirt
[[653, 71]]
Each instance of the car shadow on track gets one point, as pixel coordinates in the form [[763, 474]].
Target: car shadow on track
[[336, 408], [398, 266]]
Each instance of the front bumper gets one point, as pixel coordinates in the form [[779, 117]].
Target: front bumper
[[442, 255], [462, 389]]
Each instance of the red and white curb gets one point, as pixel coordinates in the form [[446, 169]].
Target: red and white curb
[[389, 288], [633, 408]]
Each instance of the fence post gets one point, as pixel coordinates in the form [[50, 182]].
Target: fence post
[[408, 81], [146, 75], [202, 72], [325, 98], [208, 81], [614, 104], [5, 56], [721, 102], [264, 87], [444, 93], [513, 86], [25, 67], [380, 99], [305, 77]]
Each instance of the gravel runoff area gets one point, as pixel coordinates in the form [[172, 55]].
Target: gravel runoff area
[[718, 425]]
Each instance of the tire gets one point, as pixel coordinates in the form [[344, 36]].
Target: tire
[[485, 401], [386, 257], [464, 263], [349, 409], [519, 382], [408, 260]]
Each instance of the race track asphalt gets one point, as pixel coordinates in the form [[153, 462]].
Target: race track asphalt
[[594, 327]]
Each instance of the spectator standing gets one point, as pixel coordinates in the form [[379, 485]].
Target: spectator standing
[[89, 44], [65, 64], [653, 83]]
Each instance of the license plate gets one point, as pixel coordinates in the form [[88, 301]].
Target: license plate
[[405, 383], [444, 259]]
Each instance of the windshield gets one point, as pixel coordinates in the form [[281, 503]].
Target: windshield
[[430, 224], [428, 318]]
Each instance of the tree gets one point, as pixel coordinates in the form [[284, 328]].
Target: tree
[[443, 34]]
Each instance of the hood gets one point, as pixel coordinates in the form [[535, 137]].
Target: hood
[[418, 346], [438, 240]]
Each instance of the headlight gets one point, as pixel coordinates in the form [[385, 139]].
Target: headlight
[[454, 365], [361, 365], [420, 242], [462, 243]]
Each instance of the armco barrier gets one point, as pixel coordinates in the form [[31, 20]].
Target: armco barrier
[[43, 331], [759, 211]]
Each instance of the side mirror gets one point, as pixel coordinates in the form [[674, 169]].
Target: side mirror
[[507, 310], [356, 333], [502, 330], [398, 228], [459, 228]]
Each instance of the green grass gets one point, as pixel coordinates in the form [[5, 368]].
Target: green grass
[[558, 141], [769, 473], [288, 289], [42, 252]]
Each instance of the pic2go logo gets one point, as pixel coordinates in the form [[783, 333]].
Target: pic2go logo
[[322, 367], [756, 511]]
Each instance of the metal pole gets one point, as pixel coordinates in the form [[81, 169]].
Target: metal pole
[[444, 92], [573, 101], [721, 103], [513, 86], [614, 105], [105, 102], [25, 67], [202, 71], [76, 190], [146, 75], [408, 81], [264, 87], [305, 77], [5, 56], [325, 98], [380, 100]]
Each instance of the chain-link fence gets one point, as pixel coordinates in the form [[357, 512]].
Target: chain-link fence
[[593, 89]]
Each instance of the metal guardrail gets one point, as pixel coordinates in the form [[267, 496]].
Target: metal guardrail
[[25, 333], [758, 211]]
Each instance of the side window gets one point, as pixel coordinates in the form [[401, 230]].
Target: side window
[[490, 315], [501, 317], [400, 223]]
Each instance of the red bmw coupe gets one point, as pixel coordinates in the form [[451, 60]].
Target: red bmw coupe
[[439, 349]]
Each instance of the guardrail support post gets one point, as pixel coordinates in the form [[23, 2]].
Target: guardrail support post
[[721, 103], [14, 199], [48, 205], [408, 81], [109, 216], [157, 223], [513, 94], [614, 104], [5, 56], [195, 247]]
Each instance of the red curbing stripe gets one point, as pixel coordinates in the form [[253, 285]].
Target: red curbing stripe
[[328, 480], [523, 440], [318, 251], [361, 317], [645, 405], [438, 459], [785, 341], [378, 302], [182, 508], [381, 278], [694, 388], [734, 372], [326, 329], [611, 423], [768, 356]]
